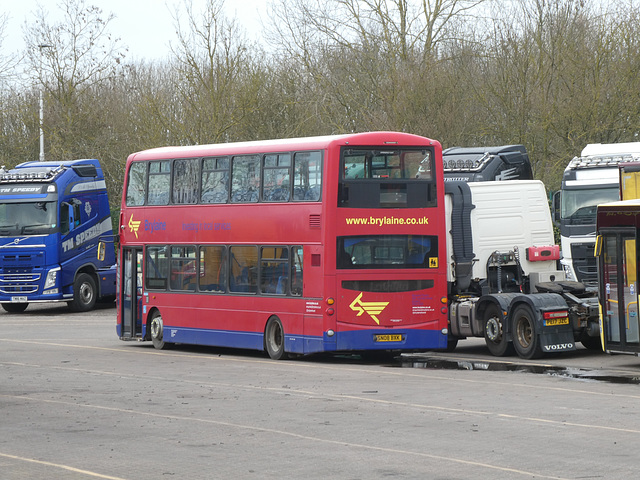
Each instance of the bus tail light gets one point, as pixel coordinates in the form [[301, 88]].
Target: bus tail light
[[330, 311], [444, 301]]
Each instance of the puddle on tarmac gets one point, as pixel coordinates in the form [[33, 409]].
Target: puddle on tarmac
[[564, 372]]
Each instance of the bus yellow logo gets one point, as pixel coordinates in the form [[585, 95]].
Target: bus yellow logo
[[433, 262], [372, 308], [134, 225]]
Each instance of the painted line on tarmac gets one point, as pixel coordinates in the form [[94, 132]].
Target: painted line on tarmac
[[336, 396], [57, 465], [341, 443], [294, 364]]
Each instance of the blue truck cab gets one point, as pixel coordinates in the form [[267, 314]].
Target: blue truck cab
[[52, 217]]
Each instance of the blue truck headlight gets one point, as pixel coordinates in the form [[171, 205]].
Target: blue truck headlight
[[52, 277]]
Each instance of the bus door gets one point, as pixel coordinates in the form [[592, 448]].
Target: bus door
[[620, 292], [132, 292]]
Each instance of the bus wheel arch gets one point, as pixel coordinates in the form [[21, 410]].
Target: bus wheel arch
[[274, 338], [85, 292]]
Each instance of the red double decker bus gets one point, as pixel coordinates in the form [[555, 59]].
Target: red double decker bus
[[292, 246]]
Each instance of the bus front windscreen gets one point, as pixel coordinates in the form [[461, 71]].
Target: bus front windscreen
[[579, 206], [387, 251], [28, 218]]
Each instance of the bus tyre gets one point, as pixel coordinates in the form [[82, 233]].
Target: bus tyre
[[274, 339], [494, 333], [452, 343], [157, 331], [525, 338], [84, 293], [591, 343], [15, 307]]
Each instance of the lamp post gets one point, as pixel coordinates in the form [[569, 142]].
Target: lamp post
[[41, 47]]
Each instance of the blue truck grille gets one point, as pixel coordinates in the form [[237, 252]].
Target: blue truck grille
[[13, 283], [21, 260]]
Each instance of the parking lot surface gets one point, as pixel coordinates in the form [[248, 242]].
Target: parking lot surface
[[78, 403]]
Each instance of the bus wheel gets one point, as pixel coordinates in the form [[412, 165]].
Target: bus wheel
[[525, 338], [274, 339], [452, 343], [591, 343], [494, 334], [157, 331], [15, 307], [84, 293]]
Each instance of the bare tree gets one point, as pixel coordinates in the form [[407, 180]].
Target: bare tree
[[7, 62], [556, 75], [70, 59], [367, 56], [213, 82]]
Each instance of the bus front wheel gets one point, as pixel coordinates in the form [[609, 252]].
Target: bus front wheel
[[84, 293], [157, 331], [274, 339]]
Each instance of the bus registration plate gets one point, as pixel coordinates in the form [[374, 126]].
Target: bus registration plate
[[550, 322], [387, 338], [18, 299]]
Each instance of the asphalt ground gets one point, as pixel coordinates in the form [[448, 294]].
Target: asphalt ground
[[78, 403]]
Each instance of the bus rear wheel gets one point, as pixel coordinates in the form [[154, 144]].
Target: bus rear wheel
[[84, 293], [591, 343], [15, 307], [274, 339]]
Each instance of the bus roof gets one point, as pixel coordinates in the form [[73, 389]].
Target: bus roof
[[618, 214], [622, 204], [304, 143]]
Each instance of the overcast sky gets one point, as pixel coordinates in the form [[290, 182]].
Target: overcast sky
[[145, 26]]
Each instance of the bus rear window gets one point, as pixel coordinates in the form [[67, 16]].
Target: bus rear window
[[394, 178], [390, 164], [387, 251]]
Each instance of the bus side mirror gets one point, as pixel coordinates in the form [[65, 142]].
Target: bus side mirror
[[597, 250], [555, 207], [101, 251]]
